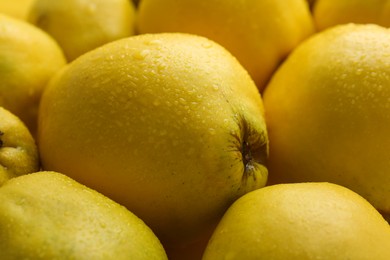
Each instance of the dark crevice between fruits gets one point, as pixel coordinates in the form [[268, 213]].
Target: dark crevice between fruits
[[385, 215], [2, 167], [1, 141], [42, 20]]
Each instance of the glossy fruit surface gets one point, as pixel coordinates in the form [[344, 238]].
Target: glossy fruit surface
[[328, 112], [300, 221], [46, 215], [169, 125]]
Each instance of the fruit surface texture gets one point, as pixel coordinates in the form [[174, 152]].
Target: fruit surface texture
[[18, 150], [327, 111], [47, 215], [169, 125], [300, 221]]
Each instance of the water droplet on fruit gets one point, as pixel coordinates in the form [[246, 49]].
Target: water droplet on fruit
[[103, 225], [212, 131], [153, 42], [207, 45], [161, 66], [141, 55], [182, 101], [359, 71]]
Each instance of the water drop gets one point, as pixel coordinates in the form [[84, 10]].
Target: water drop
[[199, 96], [153, 42], [207, 45], [182, 101], [103, 225], [140, 55], [161, 66], [212, 131]]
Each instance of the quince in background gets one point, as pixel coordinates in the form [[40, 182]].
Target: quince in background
[[300, 221], [28, 59], [328, 13], [18, 150], [169, 125], [80, 26], [260, 34], [16, 8], [46, 215], [327, 111]]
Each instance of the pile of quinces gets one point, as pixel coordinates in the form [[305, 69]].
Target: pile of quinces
[[194, 129]]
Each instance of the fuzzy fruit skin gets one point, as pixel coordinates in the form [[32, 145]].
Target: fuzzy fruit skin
[[18, 150], [259, 33], [328, 112], [159, 123], [47, 215], [300, 221]]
